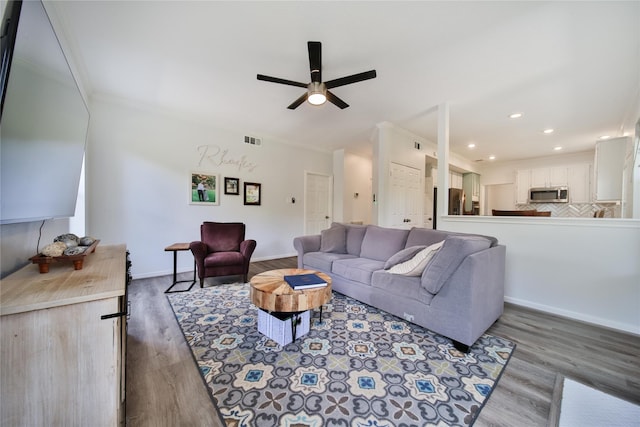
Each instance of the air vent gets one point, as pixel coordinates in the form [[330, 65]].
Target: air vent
[[252, 140]]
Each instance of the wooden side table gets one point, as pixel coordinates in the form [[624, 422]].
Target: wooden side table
[[175, 248], [271, 293]]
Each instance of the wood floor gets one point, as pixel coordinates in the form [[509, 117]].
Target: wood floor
[[164, 387]]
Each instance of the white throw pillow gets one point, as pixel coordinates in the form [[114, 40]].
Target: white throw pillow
[[416, 265]]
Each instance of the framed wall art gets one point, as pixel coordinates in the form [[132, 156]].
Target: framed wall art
[[252, 193], [204, 189], [231, 186]]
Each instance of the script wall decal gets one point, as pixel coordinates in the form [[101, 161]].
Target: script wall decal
[[217, 156]]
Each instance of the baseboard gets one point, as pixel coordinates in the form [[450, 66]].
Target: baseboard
[[270, 257], [556, 402], [593, 320], [168, 272]]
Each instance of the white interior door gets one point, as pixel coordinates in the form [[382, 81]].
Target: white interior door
[[318, 196], [405, 196]]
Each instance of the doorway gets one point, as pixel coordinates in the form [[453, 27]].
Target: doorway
[[405, 198], [318, 206]]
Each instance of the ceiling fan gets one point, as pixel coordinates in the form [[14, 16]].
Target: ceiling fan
[[317, 90]]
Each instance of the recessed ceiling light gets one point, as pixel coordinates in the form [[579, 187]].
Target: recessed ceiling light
[[605, 137], [472, 145], [547, 131], [492, 157], [515, 115], [558, 148]]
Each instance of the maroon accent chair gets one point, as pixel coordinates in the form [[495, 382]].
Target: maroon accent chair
[[222, 250]]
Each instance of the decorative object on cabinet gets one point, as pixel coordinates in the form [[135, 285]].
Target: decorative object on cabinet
[[44, 261], [204, 189], [252, 193], [231, 186]]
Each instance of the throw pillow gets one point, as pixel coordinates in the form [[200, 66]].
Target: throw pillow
[[403, 255], [380, 243], [334, 239], [416, 265], [446, 261]]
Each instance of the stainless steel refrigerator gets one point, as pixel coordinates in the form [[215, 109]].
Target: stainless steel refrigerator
[[456, 201]]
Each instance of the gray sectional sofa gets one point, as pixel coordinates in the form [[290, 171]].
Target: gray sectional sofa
[[449, 283]]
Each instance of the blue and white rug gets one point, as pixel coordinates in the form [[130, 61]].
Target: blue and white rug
[[359, 367]]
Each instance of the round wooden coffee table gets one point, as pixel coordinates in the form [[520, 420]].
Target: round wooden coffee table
[[270, 292]]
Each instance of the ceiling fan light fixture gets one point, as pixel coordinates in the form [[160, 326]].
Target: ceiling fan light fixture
[[317, 93]]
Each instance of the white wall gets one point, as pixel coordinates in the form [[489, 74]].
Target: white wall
[[357, 180], [582, 268], [393, 145], [21, 241], [138, 184], [499, 196]]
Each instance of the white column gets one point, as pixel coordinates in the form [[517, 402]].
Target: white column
[[443, 161]]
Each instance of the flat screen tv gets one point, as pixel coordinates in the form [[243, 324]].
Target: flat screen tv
[[43, 120]]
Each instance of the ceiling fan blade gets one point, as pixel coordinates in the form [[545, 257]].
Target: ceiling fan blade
[[281, 81], [315, 61], [295, 104], [350, 79], [337, 101]]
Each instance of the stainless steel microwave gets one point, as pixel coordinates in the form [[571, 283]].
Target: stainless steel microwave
[[549, 195]]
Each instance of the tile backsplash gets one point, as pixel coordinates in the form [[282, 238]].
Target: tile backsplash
[[583, 210]]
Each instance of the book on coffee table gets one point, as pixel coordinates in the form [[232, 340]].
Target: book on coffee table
[[305, 281]]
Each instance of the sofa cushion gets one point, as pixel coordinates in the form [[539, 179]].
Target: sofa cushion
[[355, 234], [403, 255], [322, 260], [334, 239], [428, 236], [407, 286], [454, 250], [381, 243], [425, 236], [416, 265], [356, 269]]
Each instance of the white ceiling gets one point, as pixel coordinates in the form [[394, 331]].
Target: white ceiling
[[571, 66]]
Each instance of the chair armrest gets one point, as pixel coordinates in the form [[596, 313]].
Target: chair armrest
[[304, 244], [199, 251], [247, 247]]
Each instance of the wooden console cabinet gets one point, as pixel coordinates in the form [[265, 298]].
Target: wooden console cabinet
[[63, 342]]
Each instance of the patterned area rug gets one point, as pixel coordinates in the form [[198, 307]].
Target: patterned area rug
[[358, 367]]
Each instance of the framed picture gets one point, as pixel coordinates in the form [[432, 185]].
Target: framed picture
[[231, 186], [204, 189], [252, 193]]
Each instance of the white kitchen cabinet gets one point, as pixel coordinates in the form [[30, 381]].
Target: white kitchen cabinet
[[523, 184], [455, 180], [579, 183], [609, 165], [471, 187], [549, 177]]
